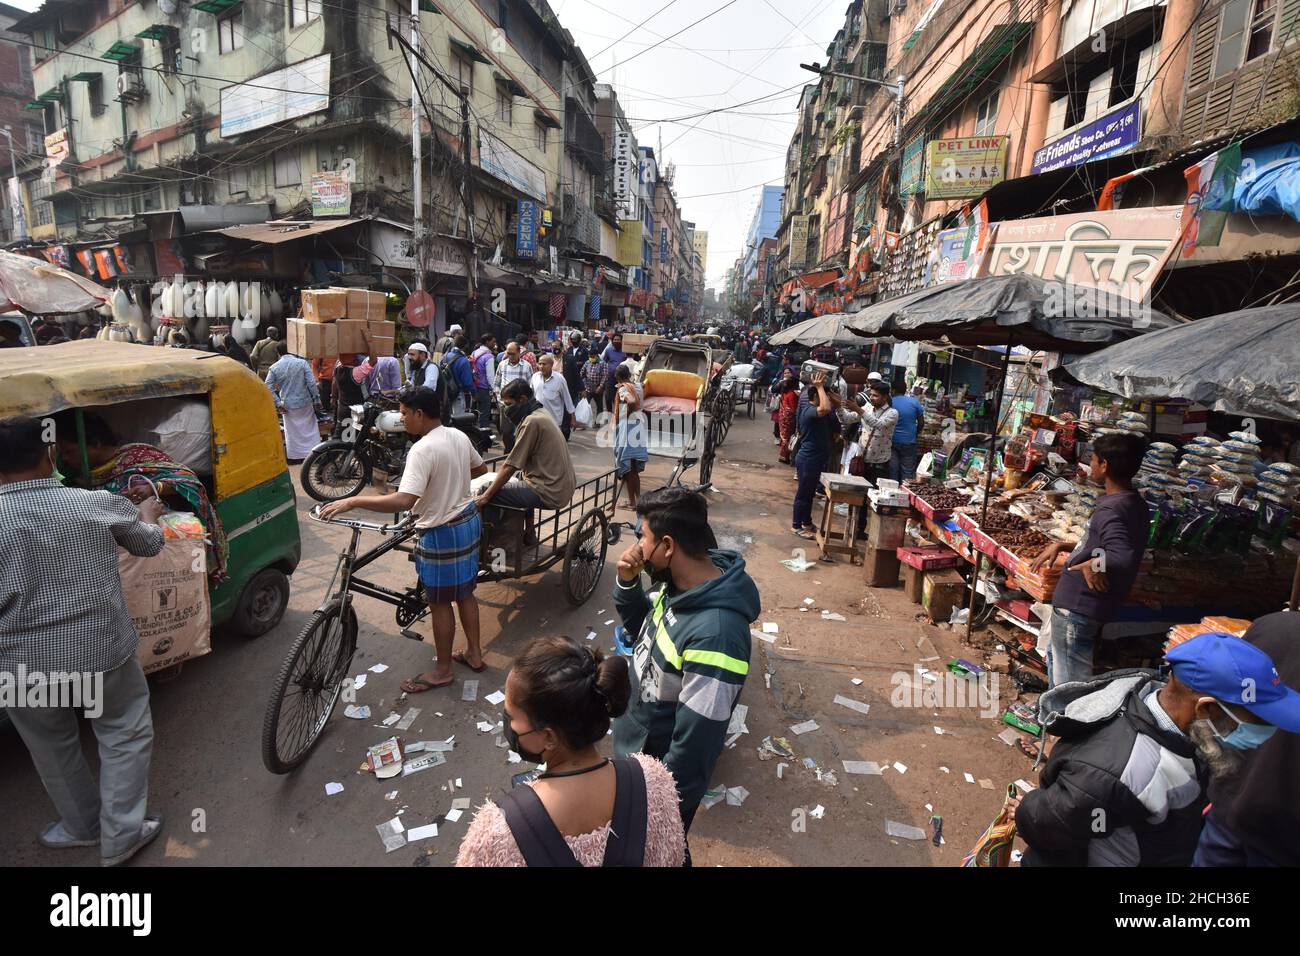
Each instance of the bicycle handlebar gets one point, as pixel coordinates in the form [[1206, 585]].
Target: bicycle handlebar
[[362, 525]]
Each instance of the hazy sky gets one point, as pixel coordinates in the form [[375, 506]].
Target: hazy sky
[[747, 50]]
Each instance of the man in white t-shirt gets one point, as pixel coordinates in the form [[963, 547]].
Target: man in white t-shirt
[[435, 489]]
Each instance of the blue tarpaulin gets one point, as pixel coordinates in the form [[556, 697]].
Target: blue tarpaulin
[[1268, 183]]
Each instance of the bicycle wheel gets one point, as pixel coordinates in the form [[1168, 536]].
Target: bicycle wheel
[[308, 686], [584, 557], [336, 471]]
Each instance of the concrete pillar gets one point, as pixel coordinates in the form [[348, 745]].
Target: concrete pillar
[[1164, 111]]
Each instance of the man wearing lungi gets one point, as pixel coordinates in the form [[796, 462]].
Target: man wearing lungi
[[435, 489], [293, 384]]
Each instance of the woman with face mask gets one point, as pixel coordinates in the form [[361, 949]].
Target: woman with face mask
[[584, 809]]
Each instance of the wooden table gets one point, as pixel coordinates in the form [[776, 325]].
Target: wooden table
[[846, 490]]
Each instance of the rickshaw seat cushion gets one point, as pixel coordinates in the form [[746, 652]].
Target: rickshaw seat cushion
[[668, 405], [668, 383]]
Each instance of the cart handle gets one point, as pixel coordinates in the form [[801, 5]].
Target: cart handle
[[402, 525]]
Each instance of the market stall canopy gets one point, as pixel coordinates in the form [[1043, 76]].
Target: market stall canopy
[[1019, 308], [1242, 363], [284, 231], [819, 330], [39, 288]]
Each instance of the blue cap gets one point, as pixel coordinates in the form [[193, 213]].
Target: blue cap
[[1230, 670]]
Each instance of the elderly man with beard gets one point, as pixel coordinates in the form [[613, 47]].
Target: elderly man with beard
[[1254, 817], [1125, 784]]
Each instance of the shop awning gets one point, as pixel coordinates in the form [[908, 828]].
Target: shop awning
[[464, 48], [1017, 198], [284, 231], [509, 85], [546, 119]]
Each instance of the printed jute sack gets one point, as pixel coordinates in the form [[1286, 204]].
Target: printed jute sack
[[167, 597]]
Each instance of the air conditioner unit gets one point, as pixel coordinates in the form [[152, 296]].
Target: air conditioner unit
[[130, 87]]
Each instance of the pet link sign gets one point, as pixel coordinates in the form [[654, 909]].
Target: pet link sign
[[964, 167]]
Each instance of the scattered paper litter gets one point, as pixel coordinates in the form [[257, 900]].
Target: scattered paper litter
[[484, 727], [453, 815], [763, 637], [421, 833], [495, 697], [803, 728], [808, 601], [713, 797], [461, 803], [986, 784], [856, 682], [359, 682], [423, 763], [392, 718], [393, 834], [770, 627], [868, 767], [378, 668], [904, 831], [900, 767], [731, 741], [390, 795], [1016, 856], [609, 622], [780, 770], [832, 616], [357, 713], [591, 635], [939, 731], [736, 796], [333, 788], [1024, 785], [408, 719], [737, 725], [945, 770], [852, 704], [969, 778], [512, 757], [817, 812], [798, 565], [1009, 736], [470, 690], [930, 807]]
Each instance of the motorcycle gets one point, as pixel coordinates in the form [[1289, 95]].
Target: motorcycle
[[375, 436]]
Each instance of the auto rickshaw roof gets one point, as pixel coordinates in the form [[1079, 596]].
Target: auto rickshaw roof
[[50, 378]]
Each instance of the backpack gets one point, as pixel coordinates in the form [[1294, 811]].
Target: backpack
[[541, 842], [445, 375]]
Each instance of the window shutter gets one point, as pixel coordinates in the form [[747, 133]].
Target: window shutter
[[1203, 47]]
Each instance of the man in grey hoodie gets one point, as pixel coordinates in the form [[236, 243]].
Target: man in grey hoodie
[[692, 655]]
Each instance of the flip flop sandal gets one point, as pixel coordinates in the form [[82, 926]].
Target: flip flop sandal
[[459, 658], [806, 535], [418, 685], [1029, 750]]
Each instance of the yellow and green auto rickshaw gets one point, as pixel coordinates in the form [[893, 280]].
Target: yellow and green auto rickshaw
[[207, 412]]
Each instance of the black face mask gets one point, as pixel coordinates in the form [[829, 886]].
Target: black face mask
[[512, 739], [662, 575]]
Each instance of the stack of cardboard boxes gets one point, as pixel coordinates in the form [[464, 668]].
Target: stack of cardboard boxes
[[340, 322]]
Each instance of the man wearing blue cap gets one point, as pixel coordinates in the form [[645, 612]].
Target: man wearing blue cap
[[1125, 784], [1254, 818]]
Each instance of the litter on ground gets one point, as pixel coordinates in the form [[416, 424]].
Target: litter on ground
[[804, 727]]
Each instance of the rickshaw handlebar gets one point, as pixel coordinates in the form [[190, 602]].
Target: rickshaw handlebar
[[362, 525]]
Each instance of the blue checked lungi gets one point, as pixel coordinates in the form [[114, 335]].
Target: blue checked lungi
[[447, 558]]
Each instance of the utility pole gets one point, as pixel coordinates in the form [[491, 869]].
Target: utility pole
[[471, 274], [20, 214], [417, 150]]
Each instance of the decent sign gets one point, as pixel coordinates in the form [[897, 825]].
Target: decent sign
[[1116, 132], [965, 167]]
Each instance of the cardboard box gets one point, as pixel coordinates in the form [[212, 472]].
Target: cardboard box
[[352, 335], [383, 329], [941, 593], [324, 305], [366, 305], [880, 567], [635, 343], [886, 531], [381, 346], [312, 340]]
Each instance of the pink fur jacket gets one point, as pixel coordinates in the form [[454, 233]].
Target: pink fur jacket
[[488, 842]]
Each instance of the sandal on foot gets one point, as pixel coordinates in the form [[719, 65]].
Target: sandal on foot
[[1028, 748], [460, 658], [418, 685], [802, 533]]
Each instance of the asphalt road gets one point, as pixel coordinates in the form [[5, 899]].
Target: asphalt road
[[222, 807]]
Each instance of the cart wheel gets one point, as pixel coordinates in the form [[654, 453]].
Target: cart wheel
[[584, 557], [710, 450], [308, 686]]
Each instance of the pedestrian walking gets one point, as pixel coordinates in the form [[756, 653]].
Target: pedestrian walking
[[264, 354], [630, 451], [294, 387], [553, 392]]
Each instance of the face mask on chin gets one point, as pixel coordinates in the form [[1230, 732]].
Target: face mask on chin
[[1246, 736]]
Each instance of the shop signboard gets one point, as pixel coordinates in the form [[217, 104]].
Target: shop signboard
[[964, 167], [630, 236], [1116, 132], [627, 174], [299, 89], [331, 194], [499, 160], [526, 229], [798, 242], [663, 245], [950, 263], [910, 176], [56, 146], [392, 246], [1120, 250]]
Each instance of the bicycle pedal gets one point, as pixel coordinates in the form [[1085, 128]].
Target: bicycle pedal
[[411, 635]]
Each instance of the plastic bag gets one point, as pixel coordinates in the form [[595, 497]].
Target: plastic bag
[[583, 413], [993, 848]]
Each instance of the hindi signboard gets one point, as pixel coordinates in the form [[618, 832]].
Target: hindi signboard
[[965, 167], [1116, 132]]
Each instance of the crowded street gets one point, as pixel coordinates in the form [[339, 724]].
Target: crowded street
[[818, 434]]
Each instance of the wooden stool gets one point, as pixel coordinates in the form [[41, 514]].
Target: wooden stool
[[846, 490]]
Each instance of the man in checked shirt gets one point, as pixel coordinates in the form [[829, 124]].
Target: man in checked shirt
[[62, 611]]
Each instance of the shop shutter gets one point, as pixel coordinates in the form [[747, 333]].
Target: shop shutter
[[1203, 47]]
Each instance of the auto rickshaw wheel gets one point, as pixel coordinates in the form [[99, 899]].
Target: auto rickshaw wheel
[[262, 603], [308, 686], [584, 557]]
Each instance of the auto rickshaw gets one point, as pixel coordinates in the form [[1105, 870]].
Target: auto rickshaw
[[231, 438], [703, 338]]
